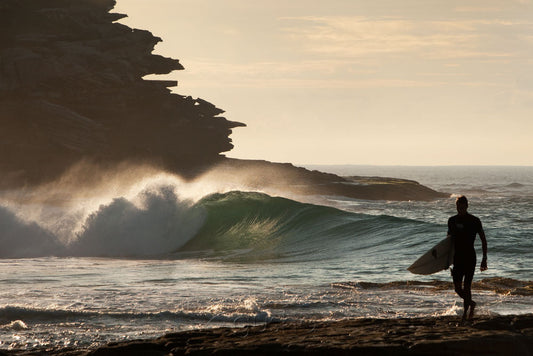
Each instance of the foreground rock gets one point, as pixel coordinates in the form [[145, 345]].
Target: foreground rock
[[506, 335]]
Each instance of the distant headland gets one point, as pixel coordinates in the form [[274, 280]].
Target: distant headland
[[72, 90]]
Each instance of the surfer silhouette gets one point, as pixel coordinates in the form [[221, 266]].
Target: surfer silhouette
[[463, 228]]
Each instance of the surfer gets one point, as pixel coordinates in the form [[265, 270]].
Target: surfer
[[463, 228]]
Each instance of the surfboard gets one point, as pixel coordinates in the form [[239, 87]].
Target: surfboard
[[438, 258]]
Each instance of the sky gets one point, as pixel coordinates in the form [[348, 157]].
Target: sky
[[381, 82]]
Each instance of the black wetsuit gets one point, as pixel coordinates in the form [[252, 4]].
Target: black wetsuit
[[463, 229]]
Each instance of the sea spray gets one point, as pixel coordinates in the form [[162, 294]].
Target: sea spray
[[24, 239], [125, 211], [160, 225], [155, 222]]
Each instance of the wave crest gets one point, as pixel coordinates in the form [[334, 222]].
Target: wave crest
[[157, 223], [161, 224]]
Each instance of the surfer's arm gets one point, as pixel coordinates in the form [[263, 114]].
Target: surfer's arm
[[484, 247]]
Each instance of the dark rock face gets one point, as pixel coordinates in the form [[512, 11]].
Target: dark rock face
[[280, 178], [71, 89]]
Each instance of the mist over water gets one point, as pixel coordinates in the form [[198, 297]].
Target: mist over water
[[129, 212], [129, 256], [140, 219]]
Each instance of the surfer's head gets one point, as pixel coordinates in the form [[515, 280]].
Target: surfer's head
[[462, 204]]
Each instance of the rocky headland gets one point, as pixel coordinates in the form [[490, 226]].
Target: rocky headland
[[72, 90], [283, 178]]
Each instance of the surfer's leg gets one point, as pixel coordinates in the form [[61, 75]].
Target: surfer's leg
[[467, 290], [458, 275], [458, 281], [472, 307], [469, 276]]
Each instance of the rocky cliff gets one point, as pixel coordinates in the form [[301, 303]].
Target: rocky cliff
[[72, 88]]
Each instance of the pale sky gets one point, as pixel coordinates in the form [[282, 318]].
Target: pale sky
[[384, 82]]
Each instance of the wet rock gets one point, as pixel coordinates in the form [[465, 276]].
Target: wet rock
[[417, 336]]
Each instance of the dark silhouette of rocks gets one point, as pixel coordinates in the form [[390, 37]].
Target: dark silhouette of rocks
[[71, 88], [282, 178]]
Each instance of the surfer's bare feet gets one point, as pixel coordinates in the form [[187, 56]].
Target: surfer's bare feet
[[472, 307]]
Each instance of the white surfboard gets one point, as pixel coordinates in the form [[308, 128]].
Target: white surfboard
[[438, 258]]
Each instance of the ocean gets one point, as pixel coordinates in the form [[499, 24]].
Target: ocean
[[162, 255]]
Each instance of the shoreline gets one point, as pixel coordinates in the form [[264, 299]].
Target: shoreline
[[497, 335]]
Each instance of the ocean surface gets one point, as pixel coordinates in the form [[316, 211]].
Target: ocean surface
[[162, 255]]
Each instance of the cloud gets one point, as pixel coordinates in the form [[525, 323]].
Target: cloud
[[357, 37], [490, 5], [325, 74], [368, 52], [477, 9], [318, 73]]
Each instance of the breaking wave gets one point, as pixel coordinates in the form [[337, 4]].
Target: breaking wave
[[24, 239], [157, 223], [31, 315]]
